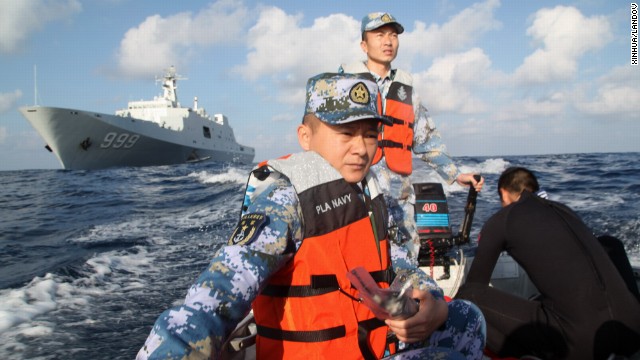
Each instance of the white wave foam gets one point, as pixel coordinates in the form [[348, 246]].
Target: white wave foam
[[493, 166], [24, 312], [37, 330], [590, 201], [231, 175], [154, 227], [424, 173], [22, 305], [104, 233]]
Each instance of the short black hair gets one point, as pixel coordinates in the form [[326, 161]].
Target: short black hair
[[516, 180], [311, 121]]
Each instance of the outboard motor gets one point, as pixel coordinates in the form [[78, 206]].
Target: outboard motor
[[432, 220], [434, 227]]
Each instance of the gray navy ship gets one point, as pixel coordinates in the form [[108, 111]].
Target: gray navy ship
[[146, 133]]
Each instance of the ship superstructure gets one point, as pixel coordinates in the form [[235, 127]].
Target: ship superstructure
[[146, 133]]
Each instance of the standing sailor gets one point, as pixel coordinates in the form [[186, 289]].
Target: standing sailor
[[413, 129]]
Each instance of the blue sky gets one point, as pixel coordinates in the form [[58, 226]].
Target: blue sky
[[499, 77]]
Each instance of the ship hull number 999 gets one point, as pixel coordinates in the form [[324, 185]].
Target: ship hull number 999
[[117, 141]]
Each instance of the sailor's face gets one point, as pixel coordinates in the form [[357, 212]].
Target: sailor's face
[[349, 148], [381, 45]]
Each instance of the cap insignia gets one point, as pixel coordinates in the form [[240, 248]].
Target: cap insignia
[[359, 94], [385, 18]]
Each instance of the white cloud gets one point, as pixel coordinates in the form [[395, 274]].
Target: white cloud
[[289, 54], [618, 93], [613, 99], [8, 100], [564, 35], [533, 109], [19, 19], [448, 85], [461, 31], [159, 41]]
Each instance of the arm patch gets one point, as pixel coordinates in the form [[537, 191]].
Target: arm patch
[[247, 229]]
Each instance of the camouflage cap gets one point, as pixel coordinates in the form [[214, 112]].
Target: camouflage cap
[[343, 98], [378, 19]]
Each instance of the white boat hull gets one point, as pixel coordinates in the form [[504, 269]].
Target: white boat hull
[[84, 140], [507, 276]]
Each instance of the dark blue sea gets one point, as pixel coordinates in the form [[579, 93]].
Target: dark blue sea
[[88, 259]]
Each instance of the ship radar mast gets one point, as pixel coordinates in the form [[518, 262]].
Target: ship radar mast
[[169, 85], [35, 86]]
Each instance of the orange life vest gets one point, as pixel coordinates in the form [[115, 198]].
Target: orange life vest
[[394, 142], [309, 309]]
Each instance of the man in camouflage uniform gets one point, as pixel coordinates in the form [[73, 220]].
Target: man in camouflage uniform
[[273, 226], [380, 42]]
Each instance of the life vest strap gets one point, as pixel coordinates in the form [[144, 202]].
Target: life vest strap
[[392, 144], [364, 328], [320, 284], [397, 121], [302, 336], [383, 276]]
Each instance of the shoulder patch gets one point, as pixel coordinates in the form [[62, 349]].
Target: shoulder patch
[[247, 229]]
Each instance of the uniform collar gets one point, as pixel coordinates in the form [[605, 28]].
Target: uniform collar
[[390, 75]]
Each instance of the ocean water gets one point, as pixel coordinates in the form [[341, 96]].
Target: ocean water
[[88, 259]]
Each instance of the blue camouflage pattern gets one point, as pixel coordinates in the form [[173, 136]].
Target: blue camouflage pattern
[[375, 20], [397, 188], [465, 319], [343, 98], [222, 295], [400, 198], [427, 140]]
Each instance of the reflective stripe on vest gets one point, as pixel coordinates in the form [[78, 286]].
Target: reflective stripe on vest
[[309, 308]]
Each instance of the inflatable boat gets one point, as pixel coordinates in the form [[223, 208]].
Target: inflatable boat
[[445, 256]]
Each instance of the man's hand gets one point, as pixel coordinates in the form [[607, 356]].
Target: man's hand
[[431, 315], [466, 179]]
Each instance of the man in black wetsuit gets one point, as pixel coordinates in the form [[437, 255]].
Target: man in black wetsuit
[[585, 310]]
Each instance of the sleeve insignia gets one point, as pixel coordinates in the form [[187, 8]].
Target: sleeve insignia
[[247, 229]]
